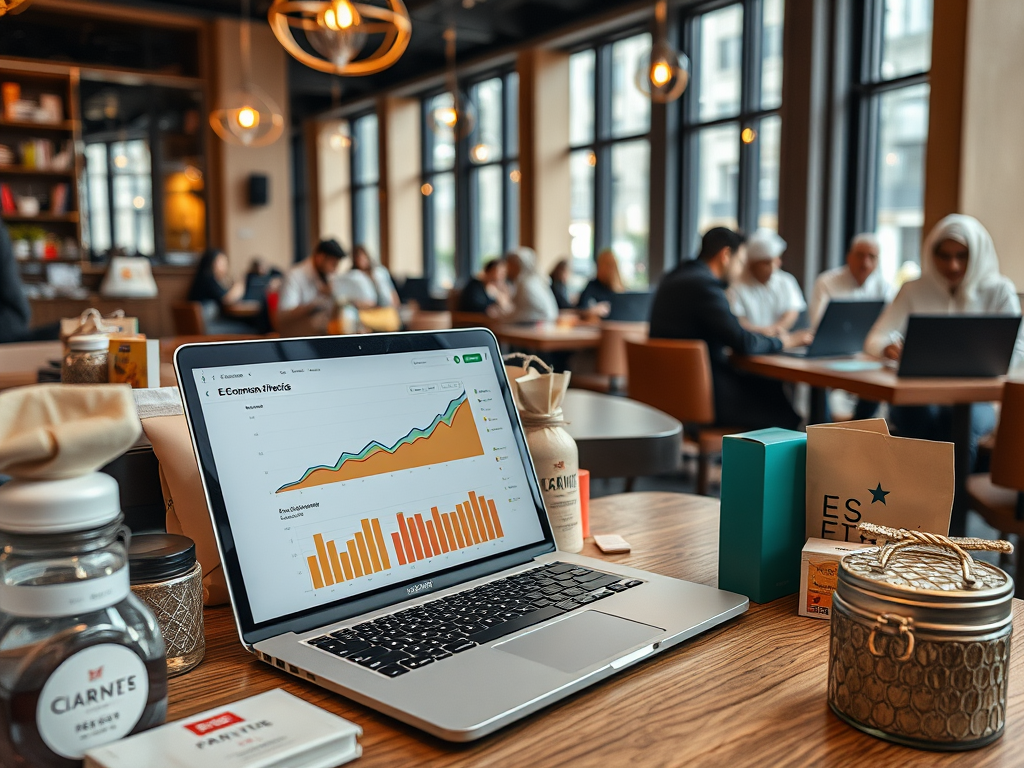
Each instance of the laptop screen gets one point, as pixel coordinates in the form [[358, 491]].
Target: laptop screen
[[346, 475]]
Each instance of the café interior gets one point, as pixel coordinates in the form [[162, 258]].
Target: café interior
[[755, 272]]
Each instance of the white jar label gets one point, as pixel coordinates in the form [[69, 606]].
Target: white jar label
[[65, 599], [95, 697]]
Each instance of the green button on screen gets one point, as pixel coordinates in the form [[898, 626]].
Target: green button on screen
[[472, 357]]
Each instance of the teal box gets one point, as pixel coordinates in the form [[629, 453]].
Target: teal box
[[763, 519]]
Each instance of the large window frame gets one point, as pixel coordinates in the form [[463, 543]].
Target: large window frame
[[751, 116], [604, 140], [868, 88], [363, 180]]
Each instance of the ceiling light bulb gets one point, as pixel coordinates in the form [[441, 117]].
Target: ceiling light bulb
[[120, 161], [446, 116], [427, 189], [339, 15], [481, 153], [661, 74], [139, 202], [748, 135], [248, 117]]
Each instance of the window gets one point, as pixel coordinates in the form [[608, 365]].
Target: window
[[609, 133], [891, 107], [731, 126], [120, 197], [492, 171], [438, 196], [365, 185]]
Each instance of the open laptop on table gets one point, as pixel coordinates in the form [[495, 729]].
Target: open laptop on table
[[958, 346], [842, 329], [633, 306], [383, 533]]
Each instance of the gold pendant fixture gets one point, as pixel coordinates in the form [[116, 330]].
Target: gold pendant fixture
[[13, 6], [663, 74], [249, 117], [339, 30], [455, 115]]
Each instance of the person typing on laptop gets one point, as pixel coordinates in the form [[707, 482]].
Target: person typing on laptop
[[766, 299], [960, 275]]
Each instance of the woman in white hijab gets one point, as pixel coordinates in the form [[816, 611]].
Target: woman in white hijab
[[533, 300], [959, 275]]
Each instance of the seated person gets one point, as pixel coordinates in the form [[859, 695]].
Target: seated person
[[366, 285], [261, 280], [486, 292], [213, 287], [766, 299], [306, 303], [858, 279], [959, 276], [560, 284], [596, 297], [532, 299], [15, 311], [690, 303]]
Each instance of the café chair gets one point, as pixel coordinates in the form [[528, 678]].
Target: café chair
[[188, 318], [674, 376], [612, 368], [998, 495]]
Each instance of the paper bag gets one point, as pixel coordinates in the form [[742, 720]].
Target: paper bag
[[91, 322], [857, 471]]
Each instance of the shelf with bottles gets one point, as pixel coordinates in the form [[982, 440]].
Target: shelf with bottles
[[31, 242]]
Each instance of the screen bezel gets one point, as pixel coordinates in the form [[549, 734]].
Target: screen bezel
[[191, 357]]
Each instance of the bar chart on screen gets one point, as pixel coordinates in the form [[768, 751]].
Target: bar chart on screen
[[364, 554], [472, 522]]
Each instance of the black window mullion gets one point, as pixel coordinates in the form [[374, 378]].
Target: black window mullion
[[746, 204], [426, 148], [689, 169]]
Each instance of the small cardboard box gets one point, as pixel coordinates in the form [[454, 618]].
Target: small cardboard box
[[762, 521], [135, 362], [819, 569]]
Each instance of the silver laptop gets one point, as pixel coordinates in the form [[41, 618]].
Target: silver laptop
[[383, 533]]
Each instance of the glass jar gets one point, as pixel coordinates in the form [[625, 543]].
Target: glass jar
[[81, 657], [86, 360], [167, 577], [920, 645]]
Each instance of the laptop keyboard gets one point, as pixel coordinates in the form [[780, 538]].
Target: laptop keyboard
[[411, 639]]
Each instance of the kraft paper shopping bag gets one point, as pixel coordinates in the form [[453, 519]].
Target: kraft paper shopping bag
[[857, 471]]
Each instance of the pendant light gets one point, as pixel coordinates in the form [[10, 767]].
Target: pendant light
[[13, 7], [249, 117], [338, 30], [663, 74], [455, 115]]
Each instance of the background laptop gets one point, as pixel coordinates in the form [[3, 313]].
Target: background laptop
[[630, 307], [959, 346], [842, 330], [383, 535]]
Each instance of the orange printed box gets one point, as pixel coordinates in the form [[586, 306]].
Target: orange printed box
[[135, 362], [819, 569]]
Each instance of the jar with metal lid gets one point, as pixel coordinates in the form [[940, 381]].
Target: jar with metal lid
[[920, 641], [81, 658], [86, 360], [166, 575]]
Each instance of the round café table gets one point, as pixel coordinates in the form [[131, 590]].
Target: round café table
[[618, 437]]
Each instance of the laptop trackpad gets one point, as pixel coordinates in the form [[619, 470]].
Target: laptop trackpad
[[580, 641]]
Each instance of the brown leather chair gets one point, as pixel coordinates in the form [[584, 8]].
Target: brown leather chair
[[998, 496], [188, 318], [674, 376], [612, 374]]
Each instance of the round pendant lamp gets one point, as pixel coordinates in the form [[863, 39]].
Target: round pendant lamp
[[455, 114], [338, 32], [13, 6], [664, 73]]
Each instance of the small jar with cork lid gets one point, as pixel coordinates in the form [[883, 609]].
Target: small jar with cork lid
[[86, 360]]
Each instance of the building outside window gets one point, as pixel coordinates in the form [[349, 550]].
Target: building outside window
[[731, 125], [438, 188], [609, 161], [891, 98], [492, 170], [120, 197], [365, 184]]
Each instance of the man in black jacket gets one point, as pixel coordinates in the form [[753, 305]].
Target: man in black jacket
[[691, 304]]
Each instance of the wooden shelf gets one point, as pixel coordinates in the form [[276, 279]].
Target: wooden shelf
[[48, 218], [29, 125], [21, 170]]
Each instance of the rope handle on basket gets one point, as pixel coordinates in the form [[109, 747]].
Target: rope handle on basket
[[901, 538], [527, 359]]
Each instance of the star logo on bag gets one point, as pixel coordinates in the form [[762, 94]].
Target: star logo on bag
[[878, 494]]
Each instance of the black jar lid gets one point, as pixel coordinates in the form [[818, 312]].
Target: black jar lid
[[156, 557]]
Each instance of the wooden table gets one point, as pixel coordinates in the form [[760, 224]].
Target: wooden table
[[550, 337], [618, 437], [882, 384], [20, 362], [748, 693]]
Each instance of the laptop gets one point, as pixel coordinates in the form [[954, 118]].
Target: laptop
[[958, 346], [383, 533], [630, 307], [842, 329]]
